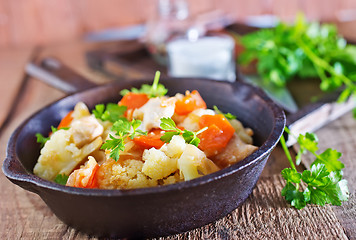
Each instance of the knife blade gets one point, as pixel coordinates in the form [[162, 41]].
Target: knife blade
[[132, 32], [280, 95]]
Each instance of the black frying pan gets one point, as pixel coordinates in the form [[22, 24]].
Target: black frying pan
[[156, 211]]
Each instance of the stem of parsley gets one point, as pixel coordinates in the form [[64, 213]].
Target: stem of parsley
[[286, 151], [320, 63], [155, 81]]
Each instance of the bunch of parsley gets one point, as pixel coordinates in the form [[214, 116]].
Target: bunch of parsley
[[302, 50], [322, 184]]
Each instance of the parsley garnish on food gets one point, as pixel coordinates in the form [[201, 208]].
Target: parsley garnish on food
[[61, 179], [154, 90], [323, 182], [111, 112], [229, 116], [41, 139], [169, 125], [303, 50], [123, 129]]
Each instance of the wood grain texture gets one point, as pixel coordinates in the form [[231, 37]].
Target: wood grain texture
[[340, 135], [11, 80], [265, 215]]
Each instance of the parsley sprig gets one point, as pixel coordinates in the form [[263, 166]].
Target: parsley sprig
[[111, 112], [229, 116], [123, 129], [169, 125], [303, 50], [324, 183], [61, 179], [154, 90]]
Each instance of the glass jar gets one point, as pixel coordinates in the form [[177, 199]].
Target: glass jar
[[208, 56], [171, 20]]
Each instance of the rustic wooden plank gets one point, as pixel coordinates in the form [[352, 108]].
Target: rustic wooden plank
[[340, 135], [12, 62], [265, 215]]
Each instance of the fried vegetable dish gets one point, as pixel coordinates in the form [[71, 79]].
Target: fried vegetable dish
[[146, 139]]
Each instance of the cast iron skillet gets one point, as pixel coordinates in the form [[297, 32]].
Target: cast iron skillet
[[156, 211]]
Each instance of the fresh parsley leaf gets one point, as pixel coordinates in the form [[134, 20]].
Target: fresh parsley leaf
[[294, 196], [99, 110], [169, 125], [154, 90], [111, 112], [115, 145], [330, 158], [61, 179], [123, 129], [167, 136], [302, 50], [291, 175], [229, 116], [324, 183], [41, 139]]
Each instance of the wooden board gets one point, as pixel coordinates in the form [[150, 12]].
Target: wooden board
[[11, 81], [340, 135]]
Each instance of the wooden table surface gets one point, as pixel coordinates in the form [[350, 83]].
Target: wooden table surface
[[265, 214]]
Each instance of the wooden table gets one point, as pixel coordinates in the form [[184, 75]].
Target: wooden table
[[265, 214]]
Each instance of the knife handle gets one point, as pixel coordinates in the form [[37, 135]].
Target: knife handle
[[53, 72]]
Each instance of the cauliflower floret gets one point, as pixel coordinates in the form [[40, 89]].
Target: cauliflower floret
[[80, 110], [85, 129], [175, 147], [152, 112], [157, 164], [60, 156], [193, 163], [191, 122], [123, 174]]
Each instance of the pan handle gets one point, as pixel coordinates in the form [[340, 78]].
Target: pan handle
[[55, 73]]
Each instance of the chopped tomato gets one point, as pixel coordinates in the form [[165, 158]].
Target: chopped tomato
[[189, 103], [134, 100], [65, 122], [218, 134], [84, 177], [152, 139]]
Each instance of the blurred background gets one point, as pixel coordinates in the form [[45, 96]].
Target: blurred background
[[34, 22]]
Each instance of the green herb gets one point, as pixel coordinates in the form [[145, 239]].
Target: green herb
[[227, 115], [123, 129], [42, 140], [112, 112], [304, 50], [154, 90], [169, 125], [61, 179], [324, 183]]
